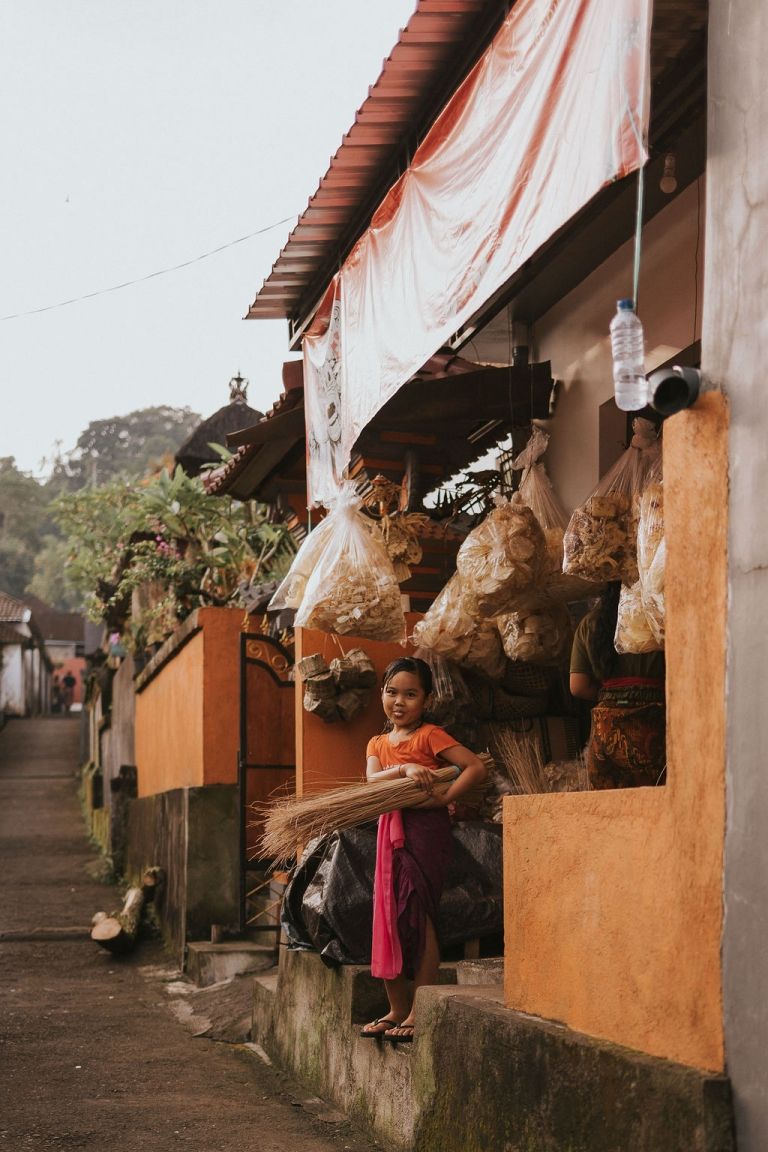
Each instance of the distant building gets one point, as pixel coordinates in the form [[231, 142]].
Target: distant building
[[196, 450], [63, 634], [25, 666]]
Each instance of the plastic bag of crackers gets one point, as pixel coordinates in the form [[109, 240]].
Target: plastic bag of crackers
[[601, 538], [452, 628], [633, 628], [652, 552], [501, 556], [535, 490], [537, 630], [352, 589]]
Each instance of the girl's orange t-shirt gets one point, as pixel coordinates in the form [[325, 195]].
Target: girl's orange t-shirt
[[422, 747]]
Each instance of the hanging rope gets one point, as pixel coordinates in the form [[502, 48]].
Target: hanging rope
[[638, 234]]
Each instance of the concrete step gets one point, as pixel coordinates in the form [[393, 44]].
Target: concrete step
[[211, 963]]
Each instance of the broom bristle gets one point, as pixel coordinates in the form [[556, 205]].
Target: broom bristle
[[522, 760], [291, 821]]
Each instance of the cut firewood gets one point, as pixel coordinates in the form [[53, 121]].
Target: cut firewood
[[117, 931]]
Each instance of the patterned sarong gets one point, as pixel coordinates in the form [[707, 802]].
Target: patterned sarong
[[627, 742]]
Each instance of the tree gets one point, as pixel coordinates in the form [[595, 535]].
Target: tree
[[23, 517], [145, 554], [129, 446], [50, 579]]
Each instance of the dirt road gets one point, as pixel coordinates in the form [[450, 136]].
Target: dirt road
[[91, 1056]]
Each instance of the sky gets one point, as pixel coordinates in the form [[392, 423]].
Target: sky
[[140, 134]]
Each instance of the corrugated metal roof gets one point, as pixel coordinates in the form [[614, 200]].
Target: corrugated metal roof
[[439, 45]]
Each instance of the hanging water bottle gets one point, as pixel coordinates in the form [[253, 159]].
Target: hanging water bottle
[[628, 347]]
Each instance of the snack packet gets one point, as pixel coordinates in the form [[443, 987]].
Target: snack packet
[[601, 538], [352, 588]]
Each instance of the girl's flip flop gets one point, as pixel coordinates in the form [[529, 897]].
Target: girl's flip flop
[[368, 1033], [406, 1037]]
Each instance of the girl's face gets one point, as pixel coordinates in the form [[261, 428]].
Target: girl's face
[[404, 700]]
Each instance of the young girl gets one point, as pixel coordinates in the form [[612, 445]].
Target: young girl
[[414, 846]]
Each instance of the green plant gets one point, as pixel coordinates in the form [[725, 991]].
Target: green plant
[[152, 551]]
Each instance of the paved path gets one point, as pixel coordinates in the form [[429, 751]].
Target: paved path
[[91, 1056]]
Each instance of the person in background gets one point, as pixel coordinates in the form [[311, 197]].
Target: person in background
[[627, 740], [69, 684], [56, 696], [413, 848]]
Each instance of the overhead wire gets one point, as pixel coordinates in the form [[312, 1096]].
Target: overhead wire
[[149, 276]]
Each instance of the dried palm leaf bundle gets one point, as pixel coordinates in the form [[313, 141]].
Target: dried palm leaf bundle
[[633, 629], [520, 755], [453, 627], [536, 631], [289, 822], [401, 539], [503, 555]]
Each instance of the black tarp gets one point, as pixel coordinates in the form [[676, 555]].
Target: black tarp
[[327, 906]]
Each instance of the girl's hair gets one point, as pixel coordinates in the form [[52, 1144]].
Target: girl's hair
[[601, 649], [412, 664]]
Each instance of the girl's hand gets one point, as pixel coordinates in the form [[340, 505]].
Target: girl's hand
[[434, 800], [420, 775]]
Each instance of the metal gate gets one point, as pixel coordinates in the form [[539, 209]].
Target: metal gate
[[266, 762]]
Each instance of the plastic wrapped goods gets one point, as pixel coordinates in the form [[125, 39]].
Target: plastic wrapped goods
[[633, 629], [536, 491], [290, 591], [537, 631], [352, 589], [501, 556], [652, 593], [652, 554], [601, 539], [451, 628]]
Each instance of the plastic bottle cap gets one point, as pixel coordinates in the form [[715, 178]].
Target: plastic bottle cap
[[625, 305]]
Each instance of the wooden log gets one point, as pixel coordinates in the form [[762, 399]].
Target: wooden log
[[117, 932]]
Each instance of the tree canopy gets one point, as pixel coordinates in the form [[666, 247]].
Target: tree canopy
[[130, 446], [31, 544]]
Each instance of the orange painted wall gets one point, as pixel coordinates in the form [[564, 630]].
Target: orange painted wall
[[613, 900], [187, 716], [221, 693], [328, 754]]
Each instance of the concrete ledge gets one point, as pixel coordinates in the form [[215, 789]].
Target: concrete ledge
[[212, 963], [479, 1077]]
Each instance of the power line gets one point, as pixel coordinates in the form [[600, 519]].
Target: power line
[[149, 276]]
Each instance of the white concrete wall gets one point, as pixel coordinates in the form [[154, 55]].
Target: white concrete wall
[[733, 356], [574, 334], [13, 685]]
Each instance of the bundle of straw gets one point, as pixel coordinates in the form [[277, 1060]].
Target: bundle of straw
[[522, 759], [289, 822]]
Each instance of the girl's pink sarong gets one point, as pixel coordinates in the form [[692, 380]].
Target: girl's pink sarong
[[412, 857]]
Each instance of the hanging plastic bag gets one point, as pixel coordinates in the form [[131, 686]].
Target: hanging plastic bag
[[452, 628], [537, 631], [601, 539], [290, 591], [652, 552], [450, 699], [501, 556], [633, 630], [353, 589], [536, 491]]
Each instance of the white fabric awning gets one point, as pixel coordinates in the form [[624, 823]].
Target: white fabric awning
[[555, 109]]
